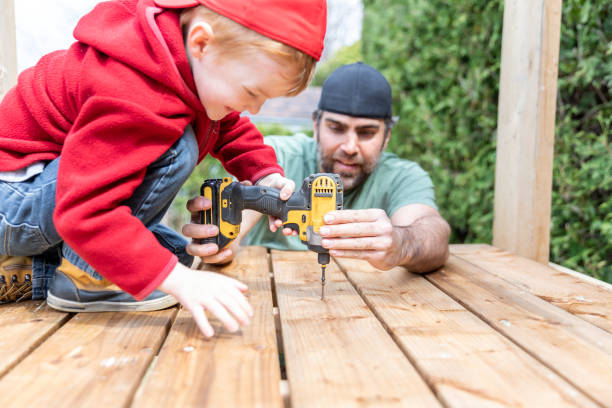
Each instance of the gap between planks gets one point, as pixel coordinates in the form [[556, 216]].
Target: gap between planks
[[389, 331], [570, 328], [579, 295], [453, 347], [108, 352], [284, 387], [18, 330], [329, 345], [229, 369]]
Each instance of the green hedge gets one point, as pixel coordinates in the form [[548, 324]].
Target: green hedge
[[443, 58]]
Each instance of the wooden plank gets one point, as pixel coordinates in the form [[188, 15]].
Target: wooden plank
[[24, 326], [337, 353], [8, 47], [526, 125], [466, 362], [229, 370], [580, 297], [589, 279], [95, 359], [577, 350]]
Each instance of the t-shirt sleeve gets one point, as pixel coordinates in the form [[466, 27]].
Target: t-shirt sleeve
[[276, 142], [408, 184]]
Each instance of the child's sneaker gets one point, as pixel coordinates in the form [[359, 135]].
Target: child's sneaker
[[15, 278], [74, 290]]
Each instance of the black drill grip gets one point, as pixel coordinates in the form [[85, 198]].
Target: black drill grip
[[265, 200]]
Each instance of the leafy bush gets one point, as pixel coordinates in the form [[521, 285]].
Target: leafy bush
[[443, 60], [581, 236]]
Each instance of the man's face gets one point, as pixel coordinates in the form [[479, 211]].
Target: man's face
[[349, 146]]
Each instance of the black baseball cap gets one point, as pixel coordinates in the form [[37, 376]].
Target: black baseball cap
[[357, 90]]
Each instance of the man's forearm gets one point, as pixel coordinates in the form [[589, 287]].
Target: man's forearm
[[424, 243]]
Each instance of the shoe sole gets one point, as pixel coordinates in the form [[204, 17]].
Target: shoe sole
[[64, 305]]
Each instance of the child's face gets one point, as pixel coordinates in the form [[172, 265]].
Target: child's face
[[228, 82], [234, 83]]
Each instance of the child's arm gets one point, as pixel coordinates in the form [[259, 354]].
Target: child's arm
[[198, 291], [242, 151]]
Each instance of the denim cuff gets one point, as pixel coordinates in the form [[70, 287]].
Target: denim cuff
[[43, 270]]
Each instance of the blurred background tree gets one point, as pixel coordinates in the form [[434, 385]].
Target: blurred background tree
[[442, 59]]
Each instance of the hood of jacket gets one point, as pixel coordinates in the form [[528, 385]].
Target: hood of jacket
[[144, 37]]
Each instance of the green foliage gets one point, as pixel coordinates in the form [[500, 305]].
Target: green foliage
[[443, 60], [273, 129], [344, 55], [581, 236]]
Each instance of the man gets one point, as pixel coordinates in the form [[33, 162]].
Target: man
[[389, 217]]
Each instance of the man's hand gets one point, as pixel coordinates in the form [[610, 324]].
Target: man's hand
[[208, 252], [415, 237], [362, 234]]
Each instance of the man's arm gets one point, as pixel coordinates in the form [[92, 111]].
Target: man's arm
[[415, 237]]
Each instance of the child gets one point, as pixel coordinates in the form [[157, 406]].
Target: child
[[95, 142]]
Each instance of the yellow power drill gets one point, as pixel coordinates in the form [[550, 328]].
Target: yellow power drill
[[302, 212]]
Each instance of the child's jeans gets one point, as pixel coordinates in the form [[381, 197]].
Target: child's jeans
[[26, 213]]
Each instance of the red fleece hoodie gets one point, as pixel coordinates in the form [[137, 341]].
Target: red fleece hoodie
[[110, 105]]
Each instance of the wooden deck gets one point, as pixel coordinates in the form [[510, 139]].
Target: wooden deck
[[489, 329]]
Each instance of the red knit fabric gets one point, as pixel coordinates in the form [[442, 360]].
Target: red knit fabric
[[110, 105]]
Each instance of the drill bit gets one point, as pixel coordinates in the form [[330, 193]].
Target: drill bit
[[323, 281], [323, 258]]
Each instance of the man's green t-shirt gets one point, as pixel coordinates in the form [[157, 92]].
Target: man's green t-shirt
[[393, 184]]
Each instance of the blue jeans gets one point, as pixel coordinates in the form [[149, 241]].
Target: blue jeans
[[26, 213]]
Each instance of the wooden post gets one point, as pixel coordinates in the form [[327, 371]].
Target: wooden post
[[8, 47], [526, 125]]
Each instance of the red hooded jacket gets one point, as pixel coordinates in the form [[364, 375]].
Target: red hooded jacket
[[110, 105]]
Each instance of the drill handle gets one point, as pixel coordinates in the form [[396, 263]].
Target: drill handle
[[265, 200]]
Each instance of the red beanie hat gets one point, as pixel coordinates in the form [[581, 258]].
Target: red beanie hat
[[298, 23]]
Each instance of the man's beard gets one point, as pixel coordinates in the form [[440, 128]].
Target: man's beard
[[349, 180]]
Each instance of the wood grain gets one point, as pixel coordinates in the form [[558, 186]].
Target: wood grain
[[229, 370], [591, 301], [466, 362], [526, 126], [575, 349], [95, 359], [24, 326], [337, 352]]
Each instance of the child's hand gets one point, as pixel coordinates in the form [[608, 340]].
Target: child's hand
[[286, 187], [199, 290], [275, 180]]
